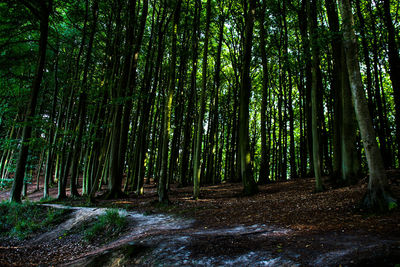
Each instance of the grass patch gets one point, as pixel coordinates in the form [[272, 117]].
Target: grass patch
[[108, 225], [23, 220]]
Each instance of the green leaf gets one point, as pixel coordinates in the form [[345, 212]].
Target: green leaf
[[392, 205]]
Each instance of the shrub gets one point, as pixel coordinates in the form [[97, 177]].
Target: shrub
[[109, 225]]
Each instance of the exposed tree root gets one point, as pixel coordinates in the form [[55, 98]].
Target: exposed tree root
[[378, 201]]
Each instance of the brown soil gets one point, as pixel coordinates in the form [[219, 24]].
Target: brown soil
[[311, 217]]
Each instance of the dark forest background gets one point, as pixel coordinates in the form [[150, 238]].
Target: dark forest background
[[195, 92]]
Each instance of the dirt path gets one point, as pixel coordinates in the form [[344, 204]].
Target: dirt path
[[170, 240], [284, 224]]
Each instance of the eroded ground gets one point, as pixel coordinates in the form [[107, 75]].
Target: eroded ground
[[285, 224]]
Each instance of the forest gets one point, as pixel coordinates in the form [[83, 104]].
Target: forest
[[115, 99], [124, 92]]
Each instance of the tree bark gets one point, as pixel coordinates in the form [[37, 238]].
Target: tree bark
[[303, 22], [316, 133], [83, 104], [200, 118], [189, 113], [377, 196], [346, 161], [162, 184], [394, 64], [264, 164], [15, 194], [249, 185]]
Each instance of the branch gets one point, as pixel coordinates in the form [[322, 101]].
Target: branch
[[32, 8]]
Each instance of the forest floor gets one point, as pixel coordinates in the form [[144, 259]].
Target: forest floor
[[286, 223]]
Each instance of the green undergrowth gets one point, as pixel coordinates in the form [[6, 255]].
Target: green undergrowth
[[106, 226], [26, 219], [5, 183]]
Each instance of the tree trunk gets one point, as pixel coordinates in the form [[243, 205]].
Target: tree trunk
[[367, 61], [249, 185], [316, 131], [83, 105], [303, 22], [136, 43], [377, 196], [113, 167], [179, 108], [200, 118], [264, 168], [394, 64], [189, 113], [15, 194], [162, 184], [347, 163]]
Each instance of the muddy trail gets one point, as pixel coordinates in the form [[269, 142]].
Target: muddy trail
[[167, 240]]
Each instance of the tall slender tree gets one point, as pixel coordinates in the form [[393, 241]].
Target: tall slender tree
[[315, 93], [42, 12], [377, 196], [200, 118], [394, 66], [246, 170], [264, 164], [162, 184]]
